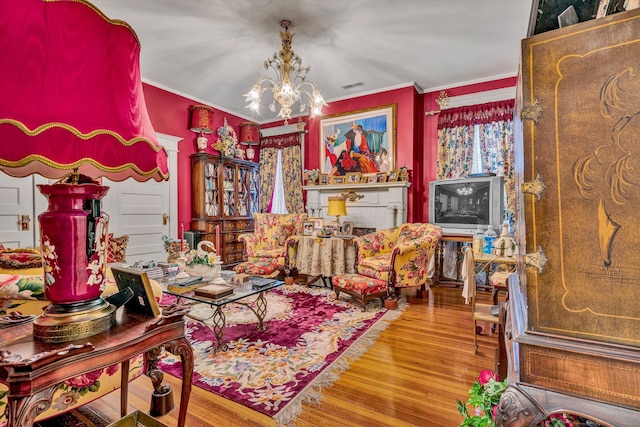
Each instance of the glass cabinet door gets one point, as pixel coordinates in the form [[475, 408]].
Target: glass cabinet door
[[243, 192], [254, 191], [229, 202], [211, 189]]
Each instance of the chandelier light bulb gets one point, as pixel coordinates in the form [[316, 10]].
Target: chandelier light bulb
[[290, 84]]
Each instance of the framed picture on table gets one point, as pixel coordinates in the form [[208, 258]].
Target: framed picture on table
[[359, 141], [307, 228], [143, 300], [318, 223], [347, 228]]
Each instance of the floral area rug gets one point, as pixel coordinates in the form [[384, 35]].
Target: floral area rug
[[311, 339]]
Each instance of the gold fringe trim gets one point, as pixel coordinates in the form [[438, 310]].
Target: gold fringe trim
[[312, 394]]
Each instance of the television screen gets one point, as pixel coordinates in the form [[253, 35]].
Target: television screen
[[460, 205]]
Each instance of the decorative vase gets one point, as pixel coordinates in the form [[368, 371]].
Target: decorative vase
[[250, 153], [505, 245], [202, 144]]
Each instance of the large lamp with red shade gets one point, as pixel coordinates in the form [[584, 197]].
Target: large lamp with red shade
[[73, 110]]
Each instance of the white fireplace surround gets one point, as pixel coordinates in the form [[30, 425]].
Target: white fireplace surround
[[382, 205]]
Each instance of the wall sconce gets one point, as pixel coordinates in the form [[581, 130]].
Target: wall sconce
[[201, 122]]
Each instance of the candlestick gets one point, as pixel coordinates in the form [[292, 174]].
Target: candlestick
[[218, 239], [181, 237]]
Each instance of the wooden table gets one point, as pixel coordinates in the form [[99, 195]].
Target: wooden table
[[33, 370], [460, 240]]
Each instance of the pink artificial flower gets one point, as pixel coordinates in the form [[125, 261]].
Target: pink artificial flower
[[494, 412], [85, 380], [486, 375]]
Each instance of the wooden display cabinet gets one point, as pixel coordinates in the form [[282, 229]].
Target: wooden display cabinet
[[573, 327], [224, 194]]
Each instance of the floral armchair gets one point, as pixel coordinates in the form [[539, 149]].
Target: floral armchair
[[400, 256], [269, 240]]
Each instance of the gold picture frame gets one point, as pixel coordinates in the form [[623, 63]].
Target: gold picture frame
[[337, 179], [369, 178], [340, 133], [143, 300], [381, 177], [324, 179], [353, 177], [394, 175], [307, 228], [318, 223]]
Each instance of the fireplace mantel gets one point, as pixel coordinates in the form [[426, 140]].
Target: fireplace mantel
[[379, 205]]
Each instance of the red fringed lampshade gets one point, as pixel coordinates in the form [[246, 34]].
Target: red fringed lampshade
[[72, 105]]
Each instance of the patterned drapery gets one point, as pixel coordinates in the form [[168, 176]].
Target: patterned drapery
[[291, 171], [456, 127]]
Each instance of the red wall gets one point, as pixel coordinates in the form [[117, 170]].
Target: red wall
[[406, 100], [416, 134], [169, 114]]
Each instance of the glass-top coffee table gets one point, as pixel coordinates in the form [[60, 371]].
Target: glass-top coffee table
[[240, 294]]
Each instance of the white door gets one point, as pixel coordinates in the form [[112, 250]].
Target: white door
[[16, 204], [141, 211], [145, 211]]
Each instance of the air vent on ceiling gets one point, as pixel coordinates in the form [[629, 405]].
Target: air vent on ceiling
[[352, 85]]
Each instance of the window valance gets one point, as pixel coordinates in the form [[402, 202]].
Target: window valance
[[280, 141], [476, 114]]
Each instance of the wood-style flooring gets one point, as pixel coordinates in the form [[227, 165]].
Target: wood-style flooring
[[411, 376]]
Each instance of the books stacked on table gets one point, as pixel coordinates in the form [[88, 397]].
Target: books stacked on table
[[154, 273], [214, 291], [187, 284], [169, 269]]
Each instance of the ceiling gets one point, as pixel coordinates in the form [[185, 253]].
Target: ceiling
[[212, 51]]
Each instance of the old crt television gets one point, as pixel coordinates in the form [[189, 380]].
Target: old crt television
[[460, 205]]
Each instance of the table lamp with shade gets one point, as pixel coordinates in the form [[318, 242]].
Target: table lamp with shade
[[73, 111], [249, 135], [337, 207], [202, 123]]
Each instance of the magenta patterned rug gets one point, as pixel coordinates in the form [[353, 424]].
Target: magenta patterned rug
[[312, 338]]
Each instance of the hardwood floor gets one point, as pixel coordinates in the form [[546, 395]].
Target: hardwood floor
[[411, 376]]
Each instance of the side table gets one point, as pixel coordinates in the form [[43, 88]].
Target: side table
[[460, 240], [33, 370], [325, 256]]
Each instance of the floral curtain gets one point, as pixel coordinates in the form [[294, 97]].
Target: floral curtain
[[291, 171], [456, 127]]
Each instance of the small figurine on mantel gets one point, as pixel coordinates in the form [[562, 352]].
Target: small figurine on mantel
[[505, 245]]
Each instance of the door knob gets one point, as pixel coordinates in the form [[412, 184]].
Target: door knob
[[25, 220], [165, 219]]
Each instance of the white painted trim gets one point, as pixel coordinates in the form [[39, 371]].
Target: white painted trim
[[170, 143], [280, 130], [372, 92], [470, 82], [482, 97]]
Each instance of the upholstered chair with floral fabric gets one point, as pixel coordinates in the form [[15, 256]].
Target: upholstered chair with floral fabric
[[269, 239], [399, 256]]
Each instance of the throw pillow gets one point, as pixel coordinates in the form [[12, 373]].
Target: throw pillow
[[117, 248]]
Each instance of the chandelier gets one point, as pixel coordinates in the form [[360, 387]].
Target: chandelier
[[291, 85], [466, 190]]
